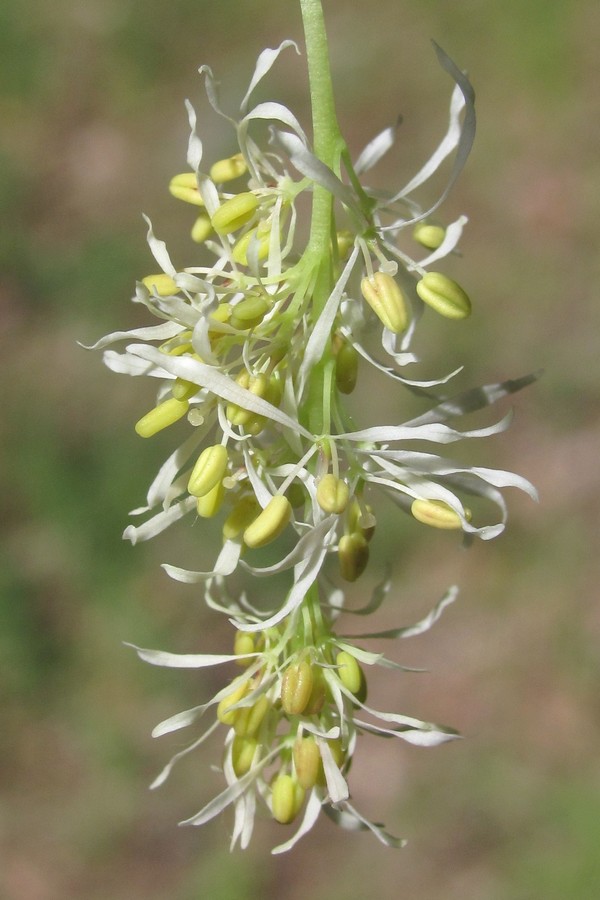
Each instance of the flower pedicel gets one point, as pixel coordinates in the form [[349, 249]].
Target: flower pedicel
[[254, 355]]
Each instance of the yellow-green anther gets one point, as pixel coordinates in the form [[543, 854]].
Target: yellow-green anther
[[221, 314], [225, 714], [161, 284], [257, 385], [228, 169], [270, 523], [209, 470], [185, 187], [262, 239], [443, 295], [353, 555], [201, 229], [234, 213], [307, 762], [317, 694], [346, 368], [349, 671], [184, 390], [208, 505], [296, 687], [345, 242], [437, 514], [430, 236], [243, 643], [387, 301], [249, 313], [250, 718], [286, 798], [242, 754], [243, 513], [163, 415], [332, 494], [296, 494]]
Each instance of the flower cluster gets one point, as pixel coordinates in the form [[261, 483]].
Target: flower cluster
[[255, 353]]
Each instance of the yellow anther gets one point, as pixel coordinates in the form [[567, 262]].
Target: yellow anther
[[242, 754], [250, 718], [346, 368], [296, 687], [332, 494], [234, 213], [243, 643], [225, 714], [163, 415], [307, 762], [184, 390], [444, 295], [387, 301], [269, 523], [430, 236], [249, 313], [349, 671], [437, 514], [241, 516], [287, 796], [228, 169], [257, 385], [201, 229], [185, 187], [209, 470], [161, 284], [209, 504], [353, 555], [260, 237]]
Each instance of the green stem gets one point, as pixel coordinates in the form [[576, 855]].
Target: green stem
[[327, 145]]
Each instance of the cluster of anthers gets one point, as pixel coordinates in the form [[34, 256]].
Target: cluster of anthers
[[255, 355]]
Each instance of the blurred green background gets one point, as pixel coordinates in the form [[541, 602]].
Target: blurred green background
[[93, 126]]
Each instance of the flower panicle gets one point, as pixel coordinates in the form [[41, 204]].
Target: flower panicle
[[254, 360]]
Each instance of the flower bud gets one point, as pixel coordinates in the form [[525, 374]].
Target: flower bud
[[249, 312], [209, 470], [201, 229], [444, 295], [228, 169], [387, 301], [346, 368], [287, 796], [234, 213], [243, 643], [262, 238], [349, 671], [332, 494], [307, 762], [249, 718], [185, 187], [269, 523], [163, 415], [226, 715], [437, 514], [161, 284], [428, 235], [242, 754], [296, 687], [208, 505], [243, 513], [353, 555]]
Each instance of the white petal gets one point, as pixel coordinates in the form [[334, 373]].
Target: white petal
[[311, 814], [186, 660], [263, 64], [225, 565], [159, 522]]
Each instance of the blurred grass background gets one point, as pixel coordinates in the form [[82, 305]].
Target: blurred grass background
[[93, 126]]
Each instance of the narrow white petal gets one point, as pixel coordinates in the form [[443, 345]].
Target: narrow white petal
[[264, 63], [311, 814]]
